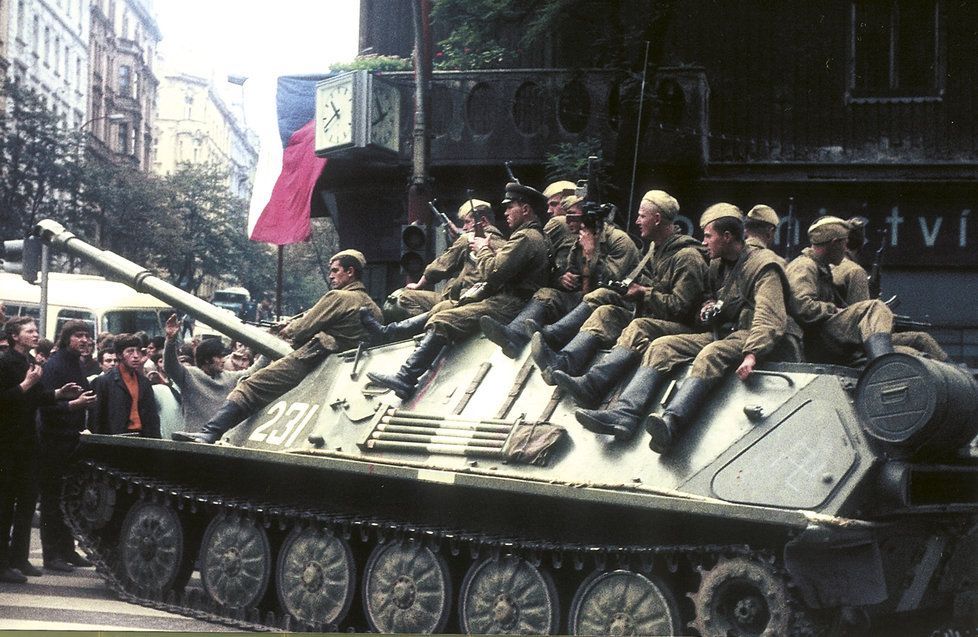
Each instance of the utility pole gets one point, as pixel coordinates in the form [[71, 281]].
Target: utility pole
[[419, 191]]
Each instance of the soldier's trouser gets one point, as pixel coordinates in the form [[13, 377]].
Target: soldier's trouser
[[640, 332], [270, 382], [557, 302], [611, 314], [711, 358], [455, 322], [415, 302], [856, 323], [921, 342]]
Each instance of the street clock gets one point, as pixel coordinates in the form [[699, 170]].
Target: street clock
[[357, 111]]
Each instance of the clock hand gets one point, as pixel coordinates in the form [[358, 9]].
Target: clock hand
[[329, 121]]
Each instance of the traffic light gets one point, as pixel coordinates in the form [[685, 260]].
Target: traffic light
[[23, 257], [414, 246]]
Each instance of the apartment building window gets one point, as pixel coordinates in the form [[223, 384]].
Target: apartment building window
[[125, 80], [47, 45], [78, 74], [37, 34], [21, 14], [123, 138], [896, 49], [57, 55]]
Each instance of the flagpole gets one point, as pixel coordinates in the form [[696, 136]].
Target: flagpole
[[278, 283]]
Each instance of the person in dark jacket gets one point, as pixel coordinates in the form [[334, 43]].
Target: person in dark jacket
[[21, 393], [60, 426], [125, 402]]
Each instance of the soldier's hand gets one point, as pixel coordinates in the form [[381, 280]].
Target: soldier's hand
[[478, 243], [746, 367], [570, 281], [636, 291], [172, 326], [588, 242], [706, 311]]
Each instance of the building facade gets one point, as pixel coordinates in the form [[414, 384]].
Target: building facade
[[846, 108], [124, 84], [46, 48], [195, 125]]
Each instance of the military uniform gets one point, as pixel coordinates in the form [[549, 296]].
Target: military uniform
[[752, 320], [816, 304], [852, 283], [676, 274], [512, 273], [456, 266], [791, 347], [332, 325]]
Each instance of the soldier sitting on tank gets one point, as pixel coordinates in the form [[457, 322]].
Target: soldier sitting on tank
[[667, 304], [555, 226], [456, 266], [332, 325], [512, 274], [744, 315], [601, 253], [852, 282], [665, 292]]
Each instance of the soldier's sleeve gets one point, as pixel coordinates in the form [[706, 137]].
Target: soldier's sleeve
[[803, 281], [449, 263], [621, 258], [508, 261], [770, 317], [853, 282], [315, 320], [686, 287]]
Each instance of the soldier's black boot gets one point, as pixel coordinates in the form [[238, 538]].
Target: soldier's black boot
[[396, 331], [877, 345], [622, 419], [228, 416], [513, 337], [561, 331], [588, 390], [570, 360], [665, 429], [405, 381]]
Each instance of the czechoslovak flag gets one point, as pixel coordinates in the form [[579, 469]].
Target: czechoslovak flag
[[285, 218]]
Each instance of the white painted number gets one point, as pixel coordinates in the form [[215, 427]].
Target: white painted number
[[299, 415]]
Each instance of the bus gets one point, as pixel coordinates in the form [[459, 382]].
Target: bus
[[107, 306]]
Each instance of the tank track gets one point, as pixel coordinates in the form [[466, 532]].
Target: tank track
[[686, 563]]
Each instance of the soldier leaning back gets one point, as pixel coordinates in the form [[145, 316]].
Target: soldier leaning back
[[332, 325]]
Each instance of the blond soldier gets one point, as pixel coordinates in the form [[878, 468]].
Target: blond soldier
[[456, 266], [852, 283], [512, 274], [602, 252], [555, 227], [746, 310], [332, 325], [832, 327], [666, 285]]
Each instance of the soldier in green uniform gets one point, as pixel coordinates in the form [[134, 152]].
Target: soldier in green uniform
[[601, 252], [852, 282], [456, 266], [832, 327], [512, 274], [332, 325], [745, 308], [665, 292]]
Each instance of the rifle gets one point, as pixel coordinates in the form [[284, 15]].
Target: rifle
[[451, 229], [875, 270]]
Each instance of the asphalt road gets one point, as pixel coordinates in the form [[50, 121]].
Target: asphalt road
[[81, 601]]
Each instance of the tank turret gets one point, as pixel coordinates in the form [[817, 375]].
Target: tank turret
[[143, 280]]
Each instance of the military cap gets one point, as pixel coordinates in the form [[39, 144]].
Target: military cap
[[525, 194], [471, 204], [764, 213], [827, 228], [666, 203], [356, 254], [857, 222], [559, 187], [718, 211], [570, 201]]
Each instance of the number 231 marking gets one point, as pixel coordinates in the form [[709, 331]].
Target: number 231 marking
[[300, 415]]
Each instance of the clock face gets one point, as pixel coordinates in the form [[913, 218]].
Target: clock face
[[335, 115], [385, 116]]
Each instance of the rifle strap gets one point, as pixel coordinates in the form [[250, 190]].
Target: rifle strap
[[637, 270]]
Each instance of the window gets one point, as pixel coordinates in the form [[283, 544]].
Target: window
[[37, 34], [57, 55], [125, 80], [896, 49], [123, 138], [47, 45], [74, 315], [21, 14]]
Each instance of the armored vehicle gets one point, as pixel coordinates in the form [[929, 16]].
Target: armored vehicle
[[805, 501]]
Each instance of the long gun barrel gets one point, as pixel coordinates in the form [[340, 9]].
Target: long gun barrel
[[142, 280]]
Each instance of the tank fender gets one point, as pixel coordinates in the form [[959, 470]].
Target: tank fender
[[835, 567]]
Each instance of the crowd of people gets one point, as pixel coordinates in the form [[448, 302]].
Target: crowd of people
[[52, 393]]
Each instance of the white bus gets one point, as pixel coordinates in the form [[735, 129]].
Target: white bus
[[107, 306]]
